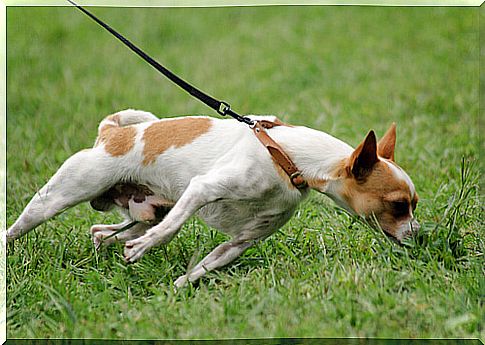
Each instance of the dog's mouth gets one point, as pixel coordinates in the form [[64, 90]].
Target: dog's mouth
[[398, 235], [410, 229], [392, 238]]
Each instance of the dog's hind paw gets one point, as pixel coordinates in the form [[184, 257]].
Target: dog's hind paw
[[100, 237], [13, 233], [99, 240], [180, 282]]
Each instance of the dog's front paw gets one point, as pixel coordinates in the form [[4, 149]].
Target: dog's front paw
[[135, 249]]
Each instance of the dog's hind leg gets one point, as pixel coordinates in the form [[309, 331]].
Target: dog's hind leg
[[220, 256], [101, 233], [82, 177]]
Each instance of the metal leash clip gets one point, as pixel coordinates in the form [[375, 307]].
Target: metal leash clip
[[223, 108]]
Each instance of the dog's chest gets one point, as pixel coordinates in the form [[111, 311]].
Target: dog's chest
[[260, 215]]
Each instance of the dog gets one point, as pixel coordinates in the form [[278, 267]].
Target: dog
[[219, 170]]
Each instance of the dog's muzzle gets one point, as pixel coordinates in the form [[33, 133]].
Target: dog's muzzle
[[410, 229], [414, 226]]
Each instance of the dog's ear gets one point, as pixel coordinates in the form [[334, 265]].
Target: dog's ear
[[364, 157], [385, 147]]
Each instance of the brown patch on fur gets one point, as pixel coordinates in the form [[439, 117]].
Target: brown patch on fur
[[117, 140], [103, 131], [105, 128], [375, 193], [378, 185], [162, 135]]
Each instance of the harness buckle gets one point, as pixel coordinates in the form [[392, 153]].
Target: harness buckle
[[223, 108], [297, 180]]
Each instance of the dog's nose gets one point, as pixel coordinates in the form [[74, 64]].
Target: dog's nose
[[414, 226]]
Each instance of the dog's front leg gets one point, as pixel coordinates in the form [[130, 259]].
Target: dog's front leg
[[220, 256], [201, 191]]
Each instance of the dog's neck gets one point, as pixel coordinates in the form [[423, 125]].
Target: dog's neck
[[318, 155]]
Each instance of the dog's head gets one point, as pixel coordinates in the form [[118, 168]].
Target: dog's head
[[375, 187]]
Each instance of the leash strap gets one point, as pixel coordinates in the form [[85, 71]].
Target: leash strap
[[223, 108], [277, 152]]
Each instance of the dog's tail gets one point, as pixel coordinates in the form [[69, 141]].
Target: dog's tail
[[124, 118]]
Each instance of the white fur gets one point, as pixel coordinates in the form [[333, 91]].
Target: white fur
[[401, 174]]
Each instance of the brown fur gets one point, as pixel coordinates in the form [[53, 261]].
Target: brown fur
[[162, 135], [117, 140], [370, 187], [375, 194], [385, 147]]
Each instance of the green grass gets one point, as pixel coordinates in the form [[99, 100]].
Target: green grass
[[343, 70]]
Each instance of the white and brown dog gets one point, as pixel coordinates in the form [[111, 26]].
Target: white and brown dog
[[219, 170]]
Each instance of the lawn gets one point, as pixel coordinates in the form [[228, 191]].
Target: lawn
[[343, 70]]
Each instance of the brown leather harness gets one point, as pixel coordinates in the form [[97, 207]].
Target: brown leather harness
[[277, 153]]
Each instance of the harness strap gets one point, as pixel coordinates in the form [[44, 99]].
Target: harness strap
[[277, 152]]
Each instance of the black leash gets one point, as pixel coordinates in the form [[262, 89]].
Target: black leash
[[221, 107]]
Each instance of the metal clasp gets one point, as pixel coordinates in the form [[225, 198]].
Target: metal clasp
[[223, 108], [298, 184]]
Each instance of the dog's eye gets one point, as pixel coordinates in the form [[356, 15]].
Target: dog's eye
[[400, 208]]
